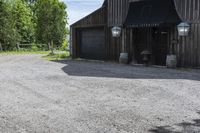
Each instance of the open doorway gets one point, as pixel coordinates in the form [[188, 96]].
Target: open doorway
[[154, 40]]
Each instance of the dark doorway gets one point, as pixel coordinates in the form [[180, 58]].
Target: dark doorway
[[153, 39], [92, 43], [140, 38], [160, 45]]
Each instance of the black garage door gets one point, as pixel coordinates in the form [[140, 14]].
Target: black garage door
[[93, 44]]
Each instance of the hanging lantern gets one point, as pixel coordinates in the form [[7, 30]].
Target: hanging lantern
[[183, 29], [116, 31]]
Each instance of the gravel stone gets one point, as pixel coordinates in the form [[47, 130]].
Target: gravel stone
[[40, 96]]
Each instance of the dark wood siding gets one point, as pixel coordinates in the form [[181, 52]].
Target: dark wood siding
[[188, 10], [113, 46], [188, 48], [117, 11], [97, 18], [114, 12]]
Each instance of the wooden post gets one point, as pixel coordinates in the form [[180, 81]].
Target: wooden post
[[123, 55], [123, 41], [133, 46]]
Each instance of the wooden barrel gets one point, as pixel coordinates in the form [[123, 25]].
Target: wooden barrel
[[171, 61], [123, 58]]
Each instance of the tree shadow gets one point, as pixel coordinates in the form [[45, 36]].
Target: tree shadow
[[115, 70], [186, 127]]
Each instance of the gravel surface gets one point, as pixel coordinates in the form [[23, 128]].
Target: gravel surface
[[39, 96]]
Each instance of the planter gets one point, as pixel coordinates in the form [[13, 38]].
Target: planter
[[123, 58], [171, 61]]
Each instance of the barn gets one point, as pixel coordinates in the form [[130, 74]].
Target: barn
[[145, 25]]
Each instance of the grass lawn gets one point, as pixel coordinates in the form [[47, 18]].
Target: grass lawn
[[58, 55], [23, 52]]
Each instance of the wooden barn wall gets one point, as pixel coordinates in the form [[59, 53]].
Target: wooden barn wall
[[97, 18], [188, 48], [188, 10], [73, 42], [114, 45], [117, 11]]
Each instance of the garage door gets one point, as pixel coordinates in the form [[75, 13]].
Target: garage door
[[93, 44]]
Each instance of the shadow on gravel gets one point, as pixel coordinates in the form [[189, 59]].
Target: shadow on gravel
[[187, 127], [114, 70]]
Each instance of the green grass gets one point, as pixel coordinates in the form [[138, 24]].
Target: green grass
[[58, 55], [23, 52]]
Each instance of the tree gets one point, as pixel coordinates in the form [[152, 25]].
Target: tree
[[8, 33], [51, 22], [22, 14], [30, 1], [27, 21]]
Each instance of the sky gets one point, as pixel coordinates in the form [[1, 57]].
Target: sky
[[77, 9]]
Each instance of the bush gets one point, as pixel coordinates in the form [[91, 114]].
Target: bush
[[62, 56], [35, 48], [64, 45], [38, 47]]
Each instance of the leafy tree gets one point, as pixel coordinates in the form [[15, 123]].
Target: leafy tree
[[31, 4], [27, 21], [30, 1], [22, 15], [51, 22], [8, 33]]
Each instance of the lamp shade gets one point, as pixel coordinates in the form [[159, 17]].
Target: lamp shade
[[183, 29], [116, 31]]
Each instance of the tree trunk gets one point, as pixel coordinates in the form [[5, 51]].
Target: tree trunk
[[51, 47], [18, 47], [1, 48]]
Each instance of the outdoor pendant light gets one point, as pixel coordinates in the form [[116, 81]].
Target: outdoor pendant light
[[183, 29], [116, 31]]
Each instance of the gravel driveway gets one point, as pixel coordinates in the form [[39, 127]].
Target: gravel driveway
[[39, 96]]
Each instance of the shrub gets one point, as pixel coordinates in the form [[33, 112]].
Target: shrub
[[64, 45], [35, 48], [62, 56]]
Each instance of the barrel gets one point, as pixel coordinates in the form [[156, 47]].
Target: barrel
[[123, 58], [171, 61]]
